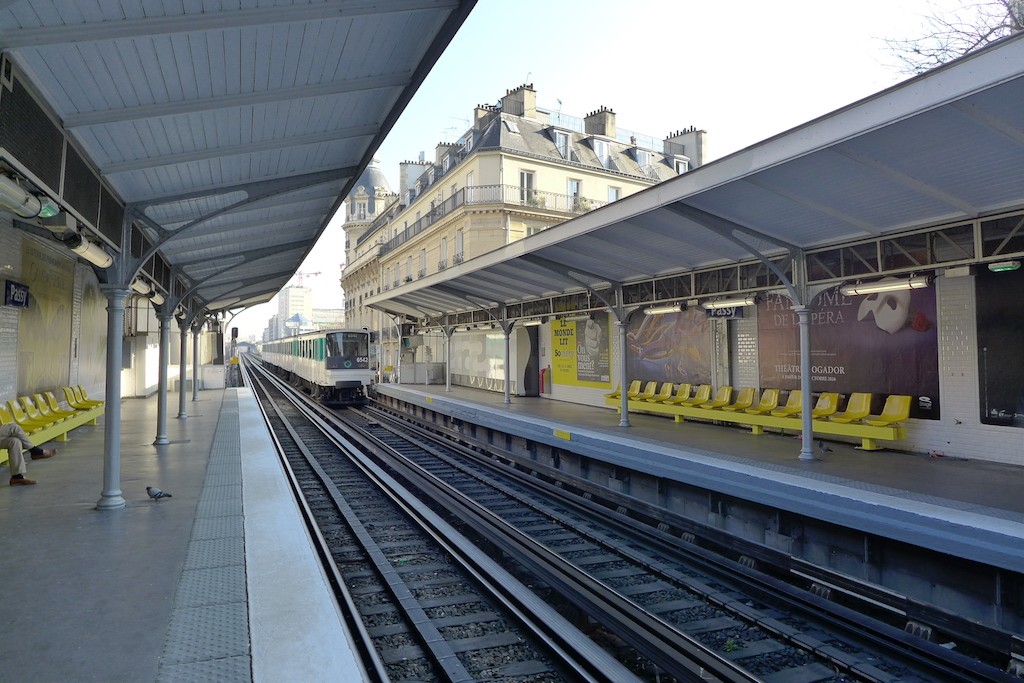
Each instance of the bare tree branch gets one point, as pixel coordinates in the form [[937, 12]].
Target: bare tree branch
[[957, 33]]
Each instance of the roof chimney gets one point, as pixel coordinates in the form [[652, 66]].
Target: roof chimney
[[521, 101], [688, 142], [600, 122]]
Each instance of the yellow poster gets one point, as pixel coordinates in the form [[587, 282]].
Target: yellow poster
[[581, 354], [44, 330]]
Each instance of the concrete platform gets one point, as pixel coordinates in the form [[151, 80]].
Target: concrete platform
[[964, 508], [217, 583]]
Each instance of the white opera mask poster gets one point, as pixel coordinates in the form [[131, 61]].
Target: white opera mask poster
[[880, 344]]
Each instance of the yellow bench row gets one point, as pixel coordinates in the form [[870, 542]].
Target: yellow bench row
[[683, 401], [43, 419]]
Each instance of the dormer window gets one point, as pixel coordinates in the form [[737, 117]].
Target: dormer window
[[681, 164], [468, 143], [643, 157], [562, 143], [446, 162]]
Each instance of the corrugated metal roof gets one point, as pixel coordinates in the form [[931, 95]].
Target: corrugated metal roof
[[940, 147], [233, 129]]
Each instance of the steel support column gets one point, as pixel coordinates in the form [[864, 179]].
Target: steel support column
[[196, 329], [507, 330], [161, 399], [807, 433], [182, 368], [448, 330], [110, 497], [623, 382]]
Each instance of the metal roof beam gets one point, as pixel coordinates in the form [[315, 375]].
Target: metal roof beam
[[151, 111], [906, 180], [248, 256], [798, 198], [235, 150], [255, 191], [210, 21], [243, 225], [990, 121], [728, 229]]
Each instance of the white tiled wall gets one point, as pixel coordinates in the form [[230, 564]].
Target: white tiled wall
[[960, 432], [10, 267]]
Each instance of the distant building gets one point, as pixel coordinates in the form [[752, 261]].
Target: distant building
[[291, 301], [328, 318], [517, 171]]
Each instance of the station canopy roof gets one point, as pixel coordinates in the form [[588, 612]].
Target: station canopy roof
[[233, 128], [943, 146]]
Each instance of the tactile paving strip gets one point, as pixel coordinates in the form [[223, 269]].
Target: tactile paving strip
[[208, 637]]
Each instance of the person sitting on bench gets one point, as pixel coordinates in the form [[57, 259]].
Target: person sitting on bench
[[15, 440]]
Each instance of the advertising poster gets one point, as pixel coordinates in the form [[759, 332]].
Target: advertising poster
[[581, 352], [44, 357], [1000, 347], [675, 347], [880, 344]]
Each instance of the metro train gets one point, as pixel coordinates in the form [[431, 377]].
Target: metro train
[[333, 366]]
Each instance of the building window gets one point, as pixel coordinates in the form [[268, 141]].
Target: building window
[[444, 249], [562, 143], [468, 144], [601, 150], [408, 268], [614, 194], [682, 165], [446, 162], [459, 247], [423, 262], [469, 180], [643, 157], [527, 193]]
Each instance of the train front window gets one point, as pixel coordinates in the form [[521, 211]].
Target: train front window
[[352, 348]]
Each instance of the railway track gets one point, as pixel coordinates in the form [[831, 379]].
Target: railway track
[[652, 604]]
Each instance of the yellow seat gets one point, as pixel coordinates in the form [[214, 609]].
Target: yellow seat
[[55, 405], [793, 407], [35, 414], [21, 418], [650, 389], [769, 402], [82, 394], [682, 395], [74, 400], [857, 408], [634, 389], [744, 400], [615, 394], [721, 399], [828, 404], [46, 409], [665, 394], [700, 397], [896, 409], [5, 415]]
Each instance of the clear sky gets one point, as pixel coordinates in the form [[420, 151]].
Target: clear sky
[[742, 70]]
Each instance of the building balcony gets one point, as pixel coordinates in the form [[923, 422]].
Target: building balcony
[[509, 196]]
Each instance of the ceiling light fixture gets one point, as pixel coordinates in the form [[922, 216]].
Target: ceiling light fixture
[[141, 286], [749, 300], [88, 251], [1003, 266], [530, 323], [662, 310], [886, 285]]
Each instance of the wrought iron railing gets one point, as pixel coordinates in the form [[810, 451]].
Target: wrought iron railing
[[494, 194]]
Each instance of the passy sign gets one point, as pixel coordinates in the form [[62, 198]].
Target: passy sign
[[15, 294]]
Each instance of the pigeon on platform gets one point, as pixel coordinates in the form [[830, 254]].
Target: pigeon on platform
[[157, 494], [823, 447]]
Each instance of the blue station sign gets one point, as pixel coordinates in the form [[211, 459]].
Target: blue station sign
[[15, 294]]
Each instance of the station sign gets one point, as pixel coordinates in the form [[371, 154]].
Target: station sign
[[15, 294], [727, 313]]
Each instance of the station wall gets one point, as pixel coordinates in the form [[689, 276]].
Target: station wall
[[958, 430]]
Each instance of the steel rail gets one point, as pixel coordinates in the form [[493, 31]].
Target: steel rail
[[673, 651], [934, 658], [580, 654]]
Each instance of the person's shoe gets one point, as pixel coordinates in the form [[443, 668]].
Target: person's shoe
[[22, 481], [47, 453]]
